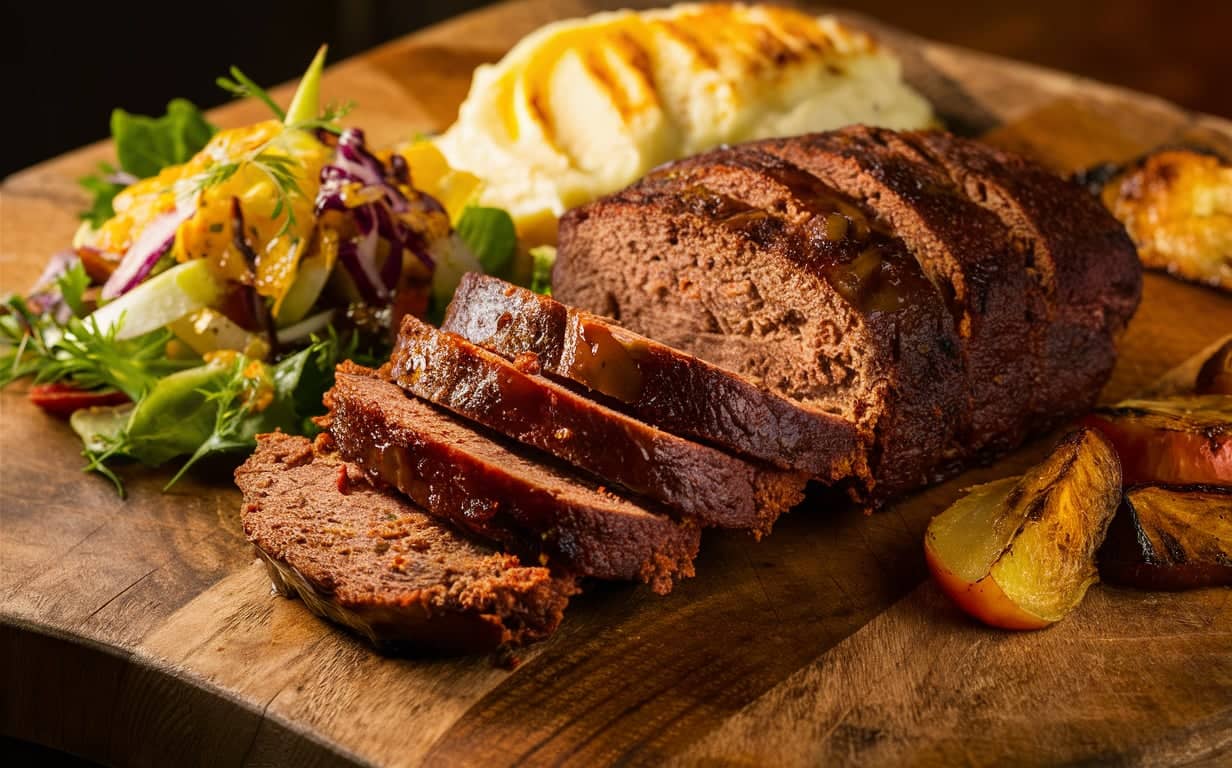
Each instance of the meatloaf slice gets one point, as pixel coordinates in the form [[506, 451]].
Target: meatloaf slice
[[379, 565], [964, 250], [1079, 257], [713, 487], [502, 491], [753, 265], [657, 383]]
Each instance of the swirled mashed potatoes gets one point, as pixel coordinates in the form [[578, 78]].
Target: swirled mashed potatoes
[[584, 107]]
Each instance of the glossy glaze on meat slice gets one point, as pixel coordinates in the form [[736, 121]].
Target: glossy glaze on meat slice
[[661, 385], [705, 483], [751, 264], [501, 491], [963, 249]]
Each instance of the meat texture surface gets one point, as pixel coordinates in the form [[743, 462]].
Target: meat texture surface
[[705, 483], [499, 490], [667, 387], [948, 299], [380, 565]]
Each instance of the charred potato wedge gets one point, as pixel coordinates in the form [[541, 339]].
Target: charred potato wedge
[[1170, 537], [1215, 376], [1019, 553], [1176, 205], [1182, 440]]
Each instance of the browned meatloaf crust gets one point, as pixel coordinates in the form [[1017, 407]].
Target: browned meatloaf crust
[[715, 488], [666, 387], [380, 565], [1081, 261], [758, 267], [962, 248], [903, 300], [501, 490]]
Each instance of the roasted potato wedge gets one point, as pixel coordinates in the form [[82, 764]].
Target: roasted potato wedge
[[1019, 553], [1215, 376], [1181, 440], [1170, 537]]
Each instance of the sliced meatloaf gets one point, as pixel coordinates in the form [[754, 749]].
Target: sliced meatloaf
[[381, 566], [1080, 261], [713, 487], [664, 386], [964, 250], [758, 267], [500, 490]]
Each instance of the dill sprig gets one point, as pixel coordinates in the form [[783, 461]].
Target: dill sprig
[[233, 403], [244, 87], [79, 353], [280, 167]]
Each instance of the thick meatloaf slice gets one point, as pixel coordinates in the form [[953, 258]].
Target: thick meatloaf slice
[[1079, 257], [715, 488], [381, 566], [501, 491], [753, 265], [964, 250], [657, 383]]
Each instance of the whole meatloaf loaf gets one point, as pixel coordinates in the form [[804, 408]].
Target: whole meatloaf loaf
[[376, 563], [859, 275]]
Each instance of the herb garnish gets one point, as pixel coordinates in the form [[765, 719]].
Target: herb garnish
[[79, 353], [243, 87], [274, 158], [217, 407]]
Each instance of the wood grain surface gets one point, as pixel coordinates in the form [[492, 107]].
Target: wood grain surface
[[144, 632]]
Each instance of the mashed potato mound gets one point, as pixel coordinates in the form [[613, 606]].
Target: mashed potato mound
[[584, 107]]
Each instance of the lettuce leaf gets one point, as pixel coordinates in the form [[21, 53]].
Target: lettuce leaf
[[102, 190], [144, 146], [543, 258], [490, 234], [217, 407]]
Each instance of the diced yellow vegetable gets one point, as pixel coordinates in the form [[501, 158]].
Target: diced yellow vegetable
[[430, 173]]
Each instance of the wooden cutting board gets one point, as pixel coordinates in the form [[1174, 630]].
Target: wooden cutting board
[[143, 632]]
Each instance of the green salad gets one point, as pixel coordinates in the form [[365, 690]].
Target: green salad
[[219, 276]]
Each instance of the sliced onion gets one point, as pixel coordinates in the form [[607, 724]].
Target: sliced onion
[[359, 259], [305, 328], [123, 178], [152, 243], [57, 265], [355, 159], [453, 259], [377, 218], [391, 270]]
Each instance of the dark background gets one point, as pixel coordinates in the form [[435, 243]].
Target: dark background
[[67, 64]]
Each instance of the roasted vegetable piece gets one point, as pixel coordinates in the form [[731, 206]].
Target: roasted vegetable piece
[[1215, 376], [1170, 537], [1176, 204], [61, 399], [1181, 440], [1019, 553]]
